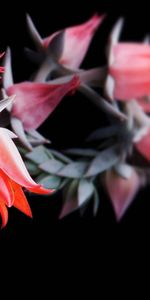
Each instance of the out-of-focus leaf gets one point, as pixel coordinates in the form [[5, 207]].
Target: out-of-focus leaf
[[59, 156], [32, 168], [70, 200], [96, 202], [18, 128], [101, 102], [102, 162], [123, 170], [38, 137], [34, 34], [56, 46], [103, 133], [6, 102], [7, 76], [52, 166], [82, 152], [51, 182], [85, 191], [38, 155], [74, 170]]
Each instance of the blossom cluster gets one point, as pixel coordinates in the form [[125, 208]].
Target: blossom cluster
[[120, 89]]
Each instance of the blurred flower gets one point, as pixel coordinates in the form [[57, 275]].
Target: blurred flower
[[75, 43], [34, 102], [128, 68], [130, 71], [122, 191]]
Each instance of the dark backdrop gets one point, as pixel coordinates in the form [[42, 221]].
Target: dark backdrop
[[71, 114]]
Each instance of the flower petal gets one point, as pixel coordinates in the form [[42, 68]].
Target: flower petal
[[20, 200], [6, 191], [36, 101], [3, 214], [76, 41], [130, 70], [121, 191]]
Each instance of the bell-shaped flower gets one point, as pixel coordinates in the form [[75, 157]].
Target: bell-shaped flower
[[13, 177], [122, 191], [34, 102], [75, 42], [128, 68]]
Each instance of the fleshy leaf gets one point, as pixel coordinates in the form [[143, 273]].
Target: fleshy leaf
[[103, 133], [74, 170], [51, 166], [51, 182], [82, 152], [8, 76], [70, 200], [102, 162], [85, 191], [34, 33], [143, 146], [17, 127], [6, 102], [38, 155]]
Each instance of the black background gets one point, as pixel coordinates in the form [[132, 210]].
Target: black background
[[72, 114]]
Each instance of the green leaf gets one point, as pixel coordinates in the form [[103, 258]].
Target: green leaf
[[85, 191], [96, 202], [38, 155], [32, 168], [103, 133], [70, 200], [102, 162], [82, 152], [74, 170], [51, 166], [50, 182], [59, 156]]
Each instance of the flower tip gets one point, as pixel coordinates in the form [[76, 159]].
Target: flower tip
[[96, 20], [40, 189]]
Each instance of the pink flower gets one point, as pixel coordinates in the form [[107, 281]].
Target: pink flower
[[14, 176], [130, 70], [76, 40], [122, 190], [34, 102]]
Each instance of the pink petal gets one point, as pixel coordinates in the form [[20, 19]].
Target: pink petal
[[76, 42], [143, 146], [3, 214], [36, 101], [12, 164], [6, 191], [130, 70], [121, 191]]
